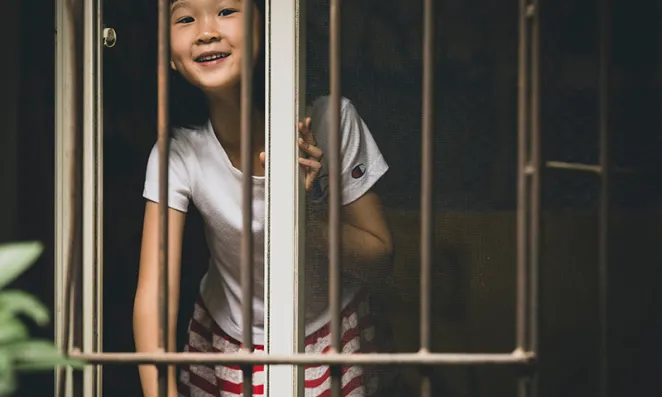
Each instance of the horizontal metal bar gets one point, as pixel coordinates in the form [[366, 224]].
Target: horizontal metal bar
[[585, 167], [574, 166], [517, 357]]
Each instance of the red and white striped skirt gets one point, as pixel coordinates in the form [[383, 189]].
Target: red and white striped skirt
[[206, 336]]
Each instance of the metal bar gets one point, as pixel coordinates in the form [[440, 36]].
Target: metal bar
[[528, 187], [595, 168], [335, 192], [535, 189], [99, 191], [163, 144], [603, 216], [426, 359], [522, 160], [67, 200], [574, 166], [91, 44], [427, 188], [247, 192]]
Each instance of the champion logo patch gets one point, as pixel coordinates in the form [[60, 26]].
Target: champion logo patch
[[358, 171]]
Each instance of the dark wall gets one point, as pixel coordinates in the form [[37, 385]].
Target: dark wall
[[28, 67]]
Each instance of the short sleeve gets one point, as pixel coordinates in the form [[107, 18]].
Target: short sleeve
[[362, 163], [179, 191]]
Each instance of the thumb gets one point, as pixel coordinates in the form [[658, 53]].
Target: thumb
[[262, 159]]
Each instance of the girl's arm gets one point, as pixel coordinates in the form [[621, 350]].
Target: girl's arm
[[145, 310], [367, 245]]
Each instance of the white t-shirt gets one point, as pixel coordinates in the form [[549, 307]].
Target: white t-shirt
[[201, 173]]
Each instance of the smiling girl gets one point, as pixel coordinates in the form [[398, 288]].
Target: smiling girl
[[205, 170]]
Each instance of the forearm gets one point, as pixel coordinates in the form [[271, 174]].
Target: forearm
[[363, 255], [146, 330]]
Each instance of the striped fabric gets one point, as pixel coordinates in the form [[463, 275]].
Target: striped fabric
[[205, 335]]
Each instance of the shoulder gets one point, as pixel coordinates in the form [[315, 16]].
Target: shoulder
[[319, 108], [187, 141], [185, 145]]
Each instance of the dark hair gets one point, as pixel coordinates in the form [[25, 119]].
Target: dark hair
[[188, 104]]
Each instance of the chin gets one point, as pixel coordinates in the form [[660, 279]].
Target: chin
[[214, 83], [219, 88]]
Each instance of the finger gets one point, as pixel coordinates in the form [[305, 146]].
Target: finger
[[306, 133], [311, 164], [263, 158], [305, 125], [313, 170], [311, 150]]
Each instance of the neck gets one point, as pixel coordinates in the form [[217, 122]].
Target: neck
[[225, 115]]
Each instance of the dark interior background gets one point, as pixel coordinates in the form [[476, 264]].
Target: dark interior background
[[475, 158]]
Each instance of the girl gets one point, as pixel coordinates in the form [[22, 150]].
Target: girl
[[204, 169]]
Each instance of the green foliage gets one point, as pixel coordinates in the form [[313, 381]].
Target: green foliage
[[18, 352]]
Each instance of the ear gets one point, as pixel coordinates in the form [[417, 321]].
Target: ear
[[172, 65]]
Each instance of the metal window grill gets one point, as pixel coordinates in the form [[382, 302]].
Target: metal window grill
[[529, 172]]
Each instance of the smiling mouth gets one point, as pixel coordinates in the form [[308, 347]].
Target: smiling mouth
[[210, 57]]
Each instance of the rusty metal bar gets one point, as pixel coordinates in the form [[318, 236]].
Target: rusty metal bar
[[528, 186], [427, 188], [99, 132], [243, 358], [604, 201], [335, 192], [594, 168], [522, 160], [535, 188], [247, 192], [163, 148], [562, 165], [67, 178]]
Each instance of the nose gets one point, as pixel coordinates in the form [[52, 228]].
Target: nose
[[208, 33]]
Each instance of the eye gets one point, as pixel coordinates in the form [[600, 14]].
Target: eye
[[226, 12], [185, 20]]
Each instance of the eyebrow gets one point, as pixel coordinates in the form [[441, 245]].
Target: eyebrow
[[175, 4]]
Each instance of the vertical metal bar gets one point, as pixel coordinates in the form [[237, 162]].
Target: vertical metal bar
[[528, 186], [525, 167], [99, 192], [163, 148], [535, 196], [91, 44], [66, 181], [522, 159], [335, 192], [605, 179], [247, 186], [427, 187]]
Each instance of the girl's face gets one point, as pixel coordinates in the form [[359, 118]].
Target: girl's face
[[206, 42]]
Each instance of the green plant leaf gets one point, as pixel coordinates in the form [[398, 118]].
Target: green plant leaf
[[7, 376], [16, 302], [15, 258], [39, 354], [12, 330]]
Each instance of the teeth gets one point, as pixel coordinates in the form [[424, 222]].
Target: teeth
[[212, 57]]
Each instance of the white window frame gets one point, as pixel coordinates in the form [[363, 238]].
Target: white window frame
[[284, 240]]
